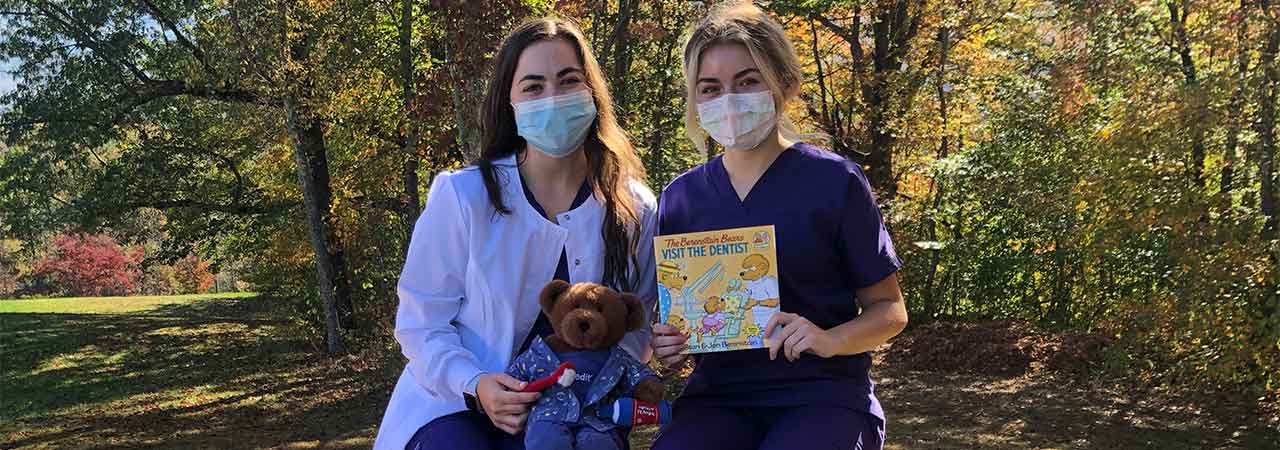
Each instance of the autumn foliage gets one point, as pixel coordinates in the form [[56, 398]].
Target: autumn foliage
[[1105, 167], [96, 265], [192, 275], [85, 265]]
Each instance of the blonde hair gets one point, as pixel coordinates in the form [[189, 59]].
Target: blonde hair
[[741, 22]]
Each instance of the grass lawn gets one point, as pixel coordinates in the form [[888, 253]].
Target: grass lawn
[[203, 371], [106, 305], [220, 372]]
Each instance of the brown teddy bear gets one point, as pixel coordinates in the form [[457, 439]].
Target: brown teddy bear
[[589, 321]]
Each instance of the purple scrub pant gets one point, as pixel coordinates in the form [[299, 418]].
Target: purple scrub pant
[[769, 428]]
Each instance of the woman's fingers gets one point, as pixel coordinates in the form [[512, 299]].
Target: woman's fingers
[[668, 343], [668, 349], [523, 399], [510, 409], [509, 382], [507, 423], [775, 342], [664, 329], [511, 423], [796, 343], [661, 341], [793, 338], [671, 355], [779, 318], [518, 421], [502, 421]]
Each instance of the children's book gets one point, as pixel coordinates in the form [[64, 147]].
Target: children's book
[[720, 287]]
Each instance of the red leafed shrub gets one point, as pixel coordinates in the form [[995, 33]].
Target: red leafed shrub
[[192, 275], [87, 265]]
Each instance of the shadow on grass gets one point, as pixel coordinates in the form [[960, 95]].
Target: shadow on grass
[[224, 374], [213, 373], [932, 410]]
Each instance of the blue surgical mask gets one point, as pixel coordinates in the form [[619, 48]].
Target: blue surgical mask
[[556, 125]]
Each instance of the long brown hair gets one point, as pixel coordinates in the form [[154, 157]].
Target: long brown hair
[[612, 160]]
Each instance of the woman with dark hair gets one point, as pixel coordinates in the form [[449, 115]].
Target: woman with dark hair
[[555, 194]]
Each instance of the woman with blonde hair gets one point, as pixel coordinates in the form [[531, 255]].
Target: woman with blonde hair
[[557, 193], [837, 282]]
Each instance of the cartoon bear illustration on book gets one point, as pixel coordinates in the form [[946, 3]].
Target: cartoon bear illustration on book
[[671, 283], [761, 289], [715, 319]]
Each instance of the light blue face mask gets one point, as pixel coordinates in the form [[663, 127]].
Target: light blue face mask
[[556, 125]]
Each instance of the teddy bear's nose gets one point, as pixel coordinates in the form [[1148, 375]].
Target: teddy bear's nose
[[584, 326]]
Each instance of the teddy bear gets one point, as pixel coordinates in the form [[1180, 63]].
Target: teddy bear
[[592, 372]]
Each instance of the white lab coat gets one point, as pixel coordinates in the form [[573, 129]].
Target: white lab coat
[[469, 288]]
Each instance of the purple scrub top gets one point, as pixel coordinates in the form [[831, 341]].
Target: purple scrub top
[[831, 241]]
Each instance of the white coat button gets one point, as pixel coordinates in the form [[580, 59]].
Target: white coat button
[[577, 261]]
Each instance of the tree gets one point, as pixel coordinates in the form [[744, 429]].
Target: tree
[[90, 265], [8, 268], [880, 37], [1180, 43], [1266, 123], [191, 275], [124, 123]]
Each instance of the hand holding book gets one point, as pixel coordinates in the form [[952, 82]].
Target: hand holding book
[[791, 335], [669, 345]]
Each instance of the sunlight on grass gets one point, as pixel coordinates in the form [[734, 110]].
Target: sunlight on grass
[[88, 356], [178, 372], [107, 305]]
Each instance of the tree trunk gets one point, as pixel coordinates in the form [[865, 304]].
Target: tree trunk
[[463, 94], [1182, 44], [657, 139], [622, 59], [894, 28], [306, 132], [1235, 109], [409, 140], [829, 115], [1266, 124], [931, 226], [313, 176]]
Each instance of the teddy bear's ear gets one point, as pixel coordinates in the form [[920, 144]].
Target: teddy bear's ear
[[635, 311], [552, 291]]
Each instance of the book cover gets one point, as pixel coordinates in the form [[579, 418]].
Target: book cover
[[720, 287]]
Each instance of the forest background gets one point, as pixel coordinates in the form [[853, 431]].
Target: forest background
[[1104, 168]]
